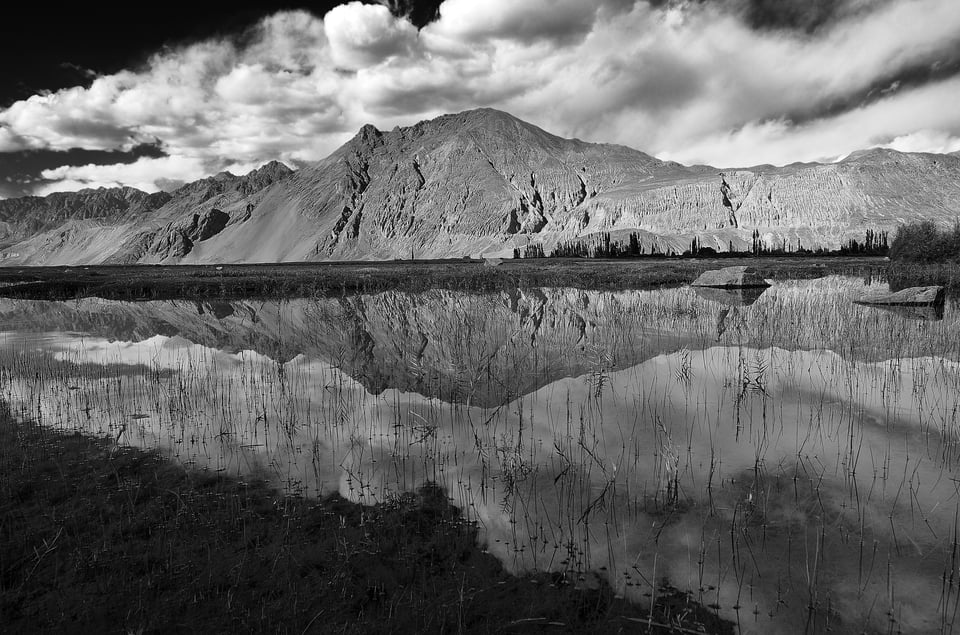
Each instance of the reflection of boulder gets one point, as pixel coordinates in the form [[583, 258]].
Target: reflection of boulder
[[219, 310], [731, 278], [744, 296], [914, 296], [930, 313], [722, 321]]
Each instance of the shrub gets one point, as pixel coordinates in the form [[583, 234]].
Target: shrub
[[922, 241]]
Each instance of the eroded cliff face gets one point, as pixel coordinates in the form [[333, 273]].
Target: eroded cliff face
[[479, 182], [453, 186], [821, 205], [125, 225], [41, 226]]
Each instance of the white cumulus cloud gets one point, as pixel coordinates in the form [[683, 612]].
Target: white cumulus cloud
[[926, 141], [686, 81], [142, 174], [362, 35]]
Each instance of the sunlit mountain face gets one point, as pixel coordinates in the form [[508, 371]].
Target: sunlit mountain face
[[483, 182]]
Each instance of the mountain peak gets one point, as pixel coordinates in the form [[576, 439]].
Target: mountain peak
[[883, 156], [273, 168], [488, 114], [487, 118], [367, 132], [871, 153]]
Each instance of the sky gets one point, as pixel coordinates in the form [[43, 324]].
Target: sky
[[96, 98]]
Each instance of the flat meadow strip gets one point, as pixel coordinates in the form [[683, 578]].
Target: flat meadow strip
[[147, 282]]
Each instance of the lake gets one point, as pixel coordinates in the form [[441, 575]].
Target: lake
[[788, 456]]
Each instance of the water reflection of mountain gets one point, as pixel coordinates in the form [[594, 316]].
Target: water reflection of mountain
[[752, 466], [489, 348]]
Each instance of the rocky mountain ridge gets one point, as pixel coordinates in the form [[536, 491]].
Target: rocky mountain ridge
[[478, 182]]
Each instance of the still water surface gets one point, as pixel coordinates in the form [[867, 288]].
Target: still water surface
[[790, 458]]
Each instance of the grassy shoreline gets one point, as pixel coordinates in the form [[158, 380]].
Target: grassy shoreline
[[326, 279], [96, 538]]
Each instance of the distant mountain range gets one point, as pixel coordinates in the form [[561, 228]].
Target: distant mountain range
[[478, 182]]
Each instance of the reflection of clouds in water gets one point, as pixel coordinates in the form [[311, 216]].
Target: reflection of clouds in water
[[769, 478], [158, 352], [760, 475]]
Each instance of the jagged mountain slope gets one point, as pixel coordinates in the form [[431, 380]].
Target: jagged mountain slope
[[457, 185], [125, 225], [476, 182], [24, 217]]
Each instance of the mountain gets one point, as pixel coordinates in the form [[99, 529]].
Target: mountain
[[56, 215], [480, 181]]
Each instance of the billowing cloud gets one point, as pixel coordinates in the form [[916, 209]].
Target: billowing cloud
[[141, 174], [362, 35], [926, 140], [727, 82], [528, 21], [806, 16], [914, 122], [9, 141]]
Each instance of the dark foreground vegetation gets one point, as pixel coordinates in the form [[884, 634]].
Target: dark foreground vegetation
[[604, 245], [921, 254], [100, 539], [230, 282], [925, 242]]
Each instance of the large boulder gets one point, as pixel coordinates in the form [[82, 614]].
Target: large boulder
[[731, 297], [927, 313], [731, 278], [912, 296]]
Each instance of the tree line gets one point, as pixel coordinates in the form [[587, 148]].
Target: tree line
[[874, 243], [924, 241]]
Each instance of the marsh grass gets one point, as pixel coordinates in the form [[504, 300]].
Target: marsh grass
[[96, 538], [229, 282], [915, 274], [746, 462]]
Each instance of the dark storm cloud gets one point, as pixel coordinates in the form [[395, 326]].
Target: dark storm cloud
[[19, 171], [419, 12], [806, 16], [799, 15], [663, 82], [881, 87]]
